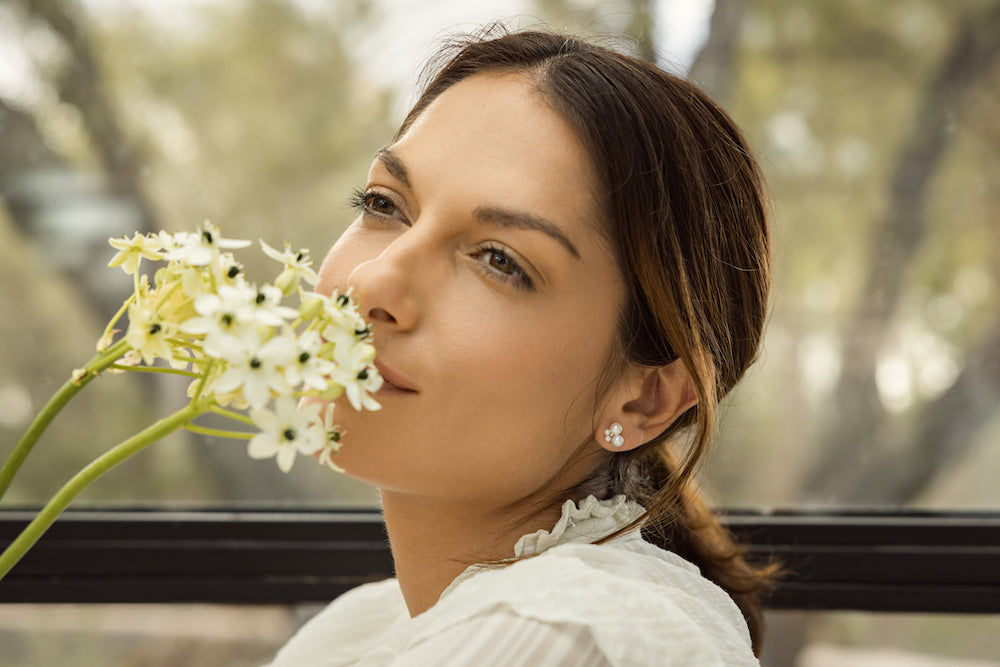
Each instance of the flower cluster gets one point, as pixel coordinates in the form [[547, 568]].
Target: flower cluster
[[243, 348], [241, 345]]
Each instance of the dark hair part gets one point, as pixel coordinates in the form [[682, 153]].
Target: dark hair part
[[686, 214]]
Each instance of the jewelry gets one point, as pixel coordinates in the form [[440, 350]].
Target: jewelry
[[614, 435]]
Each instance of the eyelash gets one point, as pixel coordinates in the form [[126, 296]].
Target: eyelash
[[518, 278], [361, 200]]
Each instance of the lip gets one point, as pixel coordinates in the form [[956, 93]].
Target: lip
[[393, 382]]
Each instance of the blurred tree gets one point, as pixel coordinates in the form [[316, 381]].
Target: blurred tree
[[713, 68], [64, 206], [862, 114], [255, 115], [878, 127], [260, 113], [858, 422], [631, 19]]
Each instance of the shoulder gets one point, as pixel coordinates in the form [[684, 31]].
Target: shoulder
[[348, 628], [640, 604]]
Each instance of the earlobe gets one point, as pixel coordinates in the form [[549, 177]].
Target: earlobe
[[649, 401], [613, 435]]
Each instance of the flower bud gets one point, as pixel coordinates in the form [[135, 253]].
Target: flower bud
[[367, 353], [287, 281], [105, 341], [311, 307]]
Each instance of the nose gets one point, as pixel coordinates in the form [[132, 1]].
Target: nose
[[385, 286]]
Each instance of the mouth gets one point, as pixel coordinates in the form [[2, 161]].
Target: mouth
[[393, 382]]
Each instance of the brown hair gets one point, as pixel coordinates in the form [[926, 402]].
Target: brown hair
[[686, 214]]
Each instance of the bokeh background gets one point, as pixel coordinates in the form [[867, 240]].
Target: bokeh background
[[878, 124]]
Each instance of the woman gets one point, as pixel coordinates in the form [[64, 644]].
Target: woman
[[564, 255]]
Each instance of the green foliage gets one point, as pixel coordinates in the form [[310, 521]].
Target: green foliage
[[256, 116]]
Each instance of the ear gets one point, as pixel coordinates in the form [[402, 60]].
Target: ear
[[645, 403]]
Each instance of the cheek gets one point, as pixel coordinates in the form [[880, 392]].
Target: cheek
[[541, 369]]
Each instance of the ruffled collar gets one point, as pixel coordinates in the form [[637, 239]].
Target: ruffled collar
[[587, 522], [591, 520]]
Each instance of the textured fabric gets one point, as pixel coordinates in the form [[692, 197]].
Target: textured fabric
[[567, 602], [501, 638]]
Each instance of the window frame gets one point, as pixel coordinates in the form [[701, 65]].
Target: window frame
[[863, 560]]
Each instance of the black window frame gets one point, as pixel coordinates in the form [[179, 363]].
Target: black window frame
[[861, 560]]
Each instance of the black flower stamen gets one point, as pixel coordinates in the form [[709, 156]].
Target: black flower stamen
[[155, 329], [363, 375], [260, 298], [255, 363], [342, 300], [289, 433], [304, 357]]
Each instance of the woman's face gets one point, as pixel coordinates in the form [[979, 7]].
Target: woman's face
[[477, 257]]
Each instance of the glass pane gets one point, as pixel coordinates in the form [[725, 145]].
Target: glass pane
[[877, 124], [238, 636], [878, 381], [148, 635], [834, 639]]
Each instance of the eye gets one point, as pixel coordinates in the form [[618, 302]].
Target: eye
[[371, 202], [503, 267]]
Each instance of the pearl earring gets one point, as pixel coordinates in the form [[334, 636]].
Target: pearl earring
[[614, 435]]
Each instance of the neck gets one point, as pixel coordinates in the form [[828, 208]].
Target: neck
[[434, 540]]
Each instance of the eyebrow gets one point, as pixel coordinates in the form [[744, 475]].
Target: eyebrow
[[499, 217], [393, 165], [487, 215]]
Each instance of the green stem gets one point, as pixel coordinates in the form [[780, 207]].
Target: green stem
[[58, 401], [201, 383], [102, 464], [184, 342], [218, 432], [117, 316], [232, 414], [155, 369]]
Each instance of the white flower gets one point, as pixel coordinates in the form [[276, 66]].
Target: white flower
[[287, 431], [333, 440], [169, 241], [359, 392], [257, 368], [308, 368], [341, 311], [148, 333], [234, 311], [266, 307], [131, 251], [355, 371], [226, 319], [298, 266], [201, 247]]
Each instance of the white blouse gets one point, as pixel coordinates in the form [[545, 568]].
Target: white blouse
[[573, 604]]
